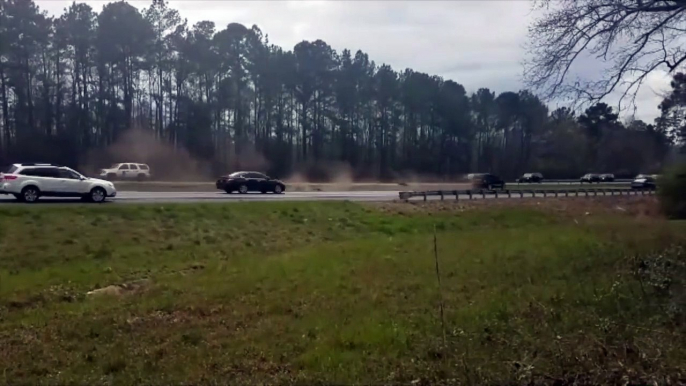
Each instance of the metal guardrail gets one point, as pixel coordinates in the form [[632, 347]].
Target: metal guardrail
[[521, 192], [575, 182]]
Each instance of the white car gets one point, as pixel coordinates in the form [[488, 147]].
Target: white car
[[126, 171], [28, 182]]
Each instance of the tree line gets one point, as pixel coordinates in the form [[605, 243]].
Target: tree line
[[72, 86]]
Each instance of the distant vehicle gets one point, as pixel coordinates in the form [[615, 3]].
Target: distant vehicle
[[126, 171], [30, 181], [487, 181], [590, 178], [607, 177], [531, 178], [643, 181], [244, 182]]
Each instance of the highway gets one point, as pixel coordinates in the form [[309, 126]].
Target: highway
[[129, 197], [190, 197]]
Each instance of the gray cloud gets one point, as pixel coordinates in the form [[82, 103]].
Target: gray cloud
[[475, 43]]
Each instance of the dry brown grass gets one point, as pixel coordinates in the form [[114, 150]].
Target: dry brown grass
[[638, 207]]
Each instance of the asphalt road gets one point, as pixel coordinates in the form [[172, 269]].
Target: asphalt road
[[188, 197]]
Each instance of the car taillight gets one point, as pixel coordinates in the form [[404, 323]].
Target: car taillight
[[8, 177]]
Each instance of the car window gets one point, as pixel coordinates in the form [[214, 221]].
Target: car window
[[260, 175], [144, 167], [66, 173], [42, 172], [124, 167], [9, 170], [134, 167]]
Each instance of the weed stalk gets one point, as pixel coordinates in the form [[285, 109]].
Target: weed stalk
[[440, 292]]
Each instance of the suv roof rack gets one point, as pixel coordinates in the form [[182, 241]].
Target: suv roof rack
[[38, 164]]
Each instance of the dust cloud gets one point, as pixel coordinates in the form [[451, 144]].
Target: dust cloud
[[244, 158], [322, 172], [175, 164], [166, 162]]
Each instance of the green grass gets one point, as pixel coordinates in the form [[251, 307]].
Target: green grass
[[330, 293]]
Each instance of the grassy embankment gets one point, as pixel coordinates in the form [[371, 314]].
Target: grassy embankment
[[340, 293]]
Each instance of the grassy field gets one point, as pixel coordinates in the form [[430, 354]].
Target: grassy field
[[587, 290]]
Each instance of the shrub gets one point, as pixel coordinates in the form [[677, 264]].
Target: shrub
[[672, 192]]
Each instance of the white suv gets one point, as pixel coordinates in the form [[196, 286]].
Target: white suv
[[126, 171], [28, 182]]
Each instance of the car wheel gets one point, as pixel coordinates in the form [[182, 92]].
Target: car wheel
[[243, 189], [30, 194], [278, 189], [97, 195]]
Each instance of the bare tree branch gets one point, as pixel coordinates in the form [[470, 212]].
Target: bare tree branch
[[632, 38]]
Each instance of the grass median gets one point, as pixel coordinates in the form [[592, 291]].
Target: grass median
[[339, 293]]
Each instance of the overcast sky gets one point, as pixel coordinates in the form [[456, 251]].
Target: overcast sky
[[475, 43]]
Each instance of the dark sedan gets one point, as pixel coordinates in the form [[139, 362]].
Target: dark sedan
[[531, 177], [643, 182], [590, 178], [244, 182], [607, 177], [487, 181]]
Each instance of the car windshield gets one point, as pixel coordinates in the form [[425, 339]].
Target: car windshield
[[234, 175], [114, 166], [77, 173]]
